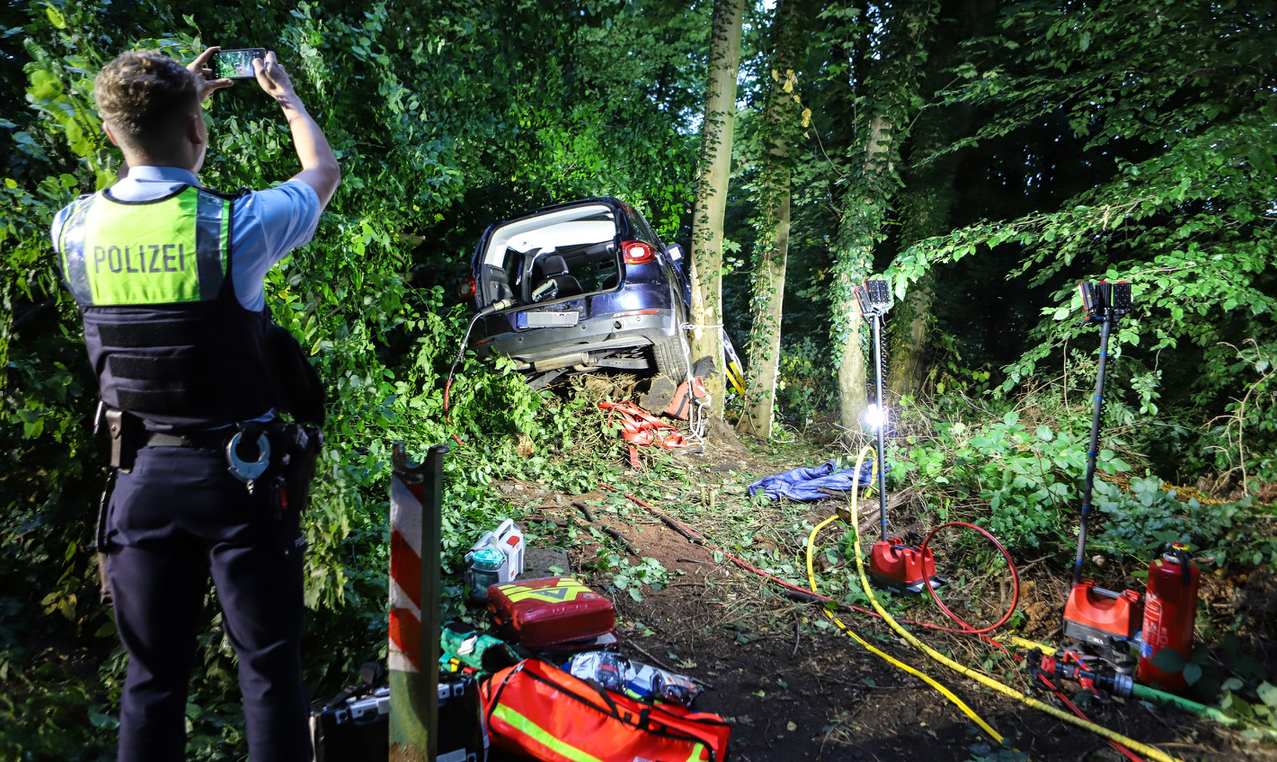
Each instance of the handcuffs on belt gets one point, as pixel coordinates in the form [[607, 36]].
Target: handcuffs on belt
[[298, 447], [248, 471]]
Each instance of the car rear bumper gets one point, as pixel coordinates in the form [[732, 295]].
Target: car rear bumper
[[599, 336]]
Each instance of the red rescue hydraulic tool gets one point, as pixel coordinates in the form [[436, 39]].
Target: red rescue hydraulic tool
[[1068, 667]]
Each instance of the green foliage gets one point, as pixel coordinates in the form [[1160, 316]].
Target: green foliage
[[1029, 475], [1168, 112], [628, 578], [1233, 680], [39, 723], [1140, 520], [1116, 140], [1248, 427], [805, 388], [444, 117]]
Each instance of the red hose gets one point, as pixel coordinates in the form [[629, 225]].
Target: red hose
[[1069, 703], [1015, 583], [1015, 598], [788, 585]]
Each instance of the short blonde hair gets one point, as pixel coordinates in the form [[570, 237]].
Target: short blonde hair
[[143, 94]]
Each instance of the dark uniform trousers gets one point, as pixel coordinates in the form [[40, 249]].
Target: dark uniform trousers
[[175, 519]]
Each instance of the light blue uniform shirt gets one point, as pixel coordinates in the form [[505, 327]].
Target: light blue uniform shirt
[[265, 225]]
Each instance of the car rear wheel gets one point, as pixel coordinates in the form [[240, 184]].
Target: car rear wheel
[[671, 358]]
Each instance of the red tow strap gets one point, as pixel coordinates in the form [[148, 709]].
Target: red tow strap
[[641, 428]]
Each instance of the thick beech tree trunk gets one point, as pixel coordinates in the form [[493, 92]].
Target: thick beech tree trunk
[[891, 93], [866, 215], [764, 338], [924, 207], [782, 117], [906, 373], [929, 193], [711, 193]]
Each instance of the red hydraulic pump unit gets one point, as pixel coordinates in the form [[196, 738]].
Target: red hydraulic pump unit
[[1104, 619], [892, 564], [902, 567], [1170, 609]]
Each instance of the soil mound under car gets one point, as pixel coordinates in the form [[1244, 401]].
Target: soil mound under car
[[577, 287]]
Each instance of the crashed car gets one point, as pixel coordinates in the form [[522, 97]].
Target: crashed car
[[577, 287]]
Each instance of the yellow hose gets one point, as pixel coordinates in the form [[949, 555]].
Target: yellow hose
[[968, 711], [1029, 645], [985, 680]]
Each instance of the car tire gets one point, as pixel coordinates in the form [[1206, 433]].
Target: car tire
[[671, 359]]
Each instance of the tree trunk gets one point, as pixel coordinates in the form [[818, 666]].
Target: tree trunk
[[782, 117], [906, 372], [928, 196], [864, 214], [764, 337], [891, 93], [711, 193], [925, 203]]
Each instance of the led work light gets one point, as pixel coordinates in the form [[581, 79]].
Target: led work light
[[892, 564]]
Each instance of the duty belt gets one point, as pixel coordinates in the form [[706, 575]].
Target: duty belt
[[215, 439], [248, 450], [251, 448]]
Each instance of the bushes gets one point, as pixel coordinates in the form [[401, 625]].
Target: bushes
[[805, 389], [1029, 474], [1141, 519], [1022, 479]]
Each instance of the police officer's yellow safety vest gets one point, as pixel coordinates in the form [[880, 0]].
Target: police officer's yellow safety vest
[[166, 334]]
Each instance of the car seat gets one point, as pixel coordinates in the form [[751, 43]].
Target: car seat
[[500, 283], [553, 280]]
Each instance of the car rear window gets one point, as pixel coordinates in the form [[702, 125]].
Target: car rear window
[[584, 236]]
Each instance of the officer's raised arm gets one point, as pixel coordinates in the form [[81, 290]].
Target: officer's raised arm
[[319, 165]]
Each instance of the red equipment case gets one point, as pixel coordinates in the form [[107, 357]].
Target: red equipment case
[[535, 710], [1098, 616], [547, 612], [901, 567]]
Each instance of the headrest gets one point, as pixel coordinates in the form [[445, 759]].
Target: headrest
[[551, 266]]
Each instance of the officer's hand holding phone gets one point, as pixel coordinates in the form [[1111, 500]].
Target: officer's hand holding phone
[[209, 84]]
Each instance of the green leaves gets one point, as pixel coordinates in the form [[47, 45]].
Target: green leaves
[[1150, 514], [1180, 217]]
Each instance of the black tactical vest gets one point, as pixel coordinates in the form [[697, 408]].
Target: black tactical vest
[[166, 335]]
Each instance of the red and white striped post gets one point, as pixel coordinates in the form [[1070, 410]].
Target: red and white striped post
[[416, 500]]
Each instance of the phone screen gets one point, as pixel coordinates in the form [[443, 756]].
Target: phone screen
[[236, 64]]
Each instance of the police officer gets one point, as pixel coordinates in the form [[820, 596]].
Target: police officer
[[168, 278]]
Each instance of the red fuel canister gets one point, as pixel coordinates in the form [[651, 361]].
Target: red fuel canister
[[1170, 609]]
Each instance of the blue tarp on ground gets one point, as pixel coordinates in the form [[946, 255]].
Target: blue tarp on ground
[[804, 484]]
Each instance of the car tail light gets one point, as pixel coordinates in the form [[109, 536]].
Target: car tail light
[[637, 252], [466, 288]]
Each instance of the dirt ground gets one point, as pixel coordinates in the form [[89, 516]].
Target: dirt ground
[[795, 688]]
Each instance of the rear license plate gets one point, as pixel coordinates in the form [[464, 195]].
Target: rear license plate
[[547, 319]]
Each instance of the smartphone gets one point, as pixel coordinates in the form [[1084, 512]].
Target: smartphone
[[236, 64]]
